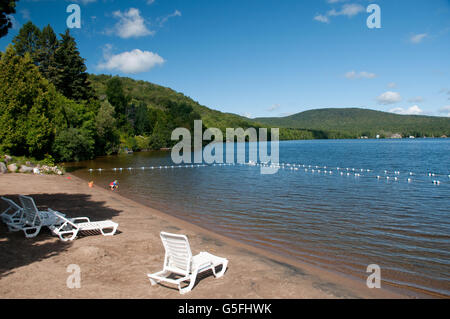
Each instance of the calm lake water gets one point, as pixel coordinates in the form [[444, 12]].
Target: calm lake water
[[336, 220]]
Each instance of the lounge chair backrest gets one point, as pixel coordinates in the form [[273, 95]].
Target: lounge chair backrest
[[11, 203], [62, 218], [30, 211], [178, 252]]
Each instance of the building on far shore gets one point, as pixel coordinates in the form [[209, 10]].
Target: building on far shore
[[396, 135]]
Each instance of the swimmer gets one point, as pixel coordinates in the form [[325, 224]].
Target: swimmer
[[114, 185]]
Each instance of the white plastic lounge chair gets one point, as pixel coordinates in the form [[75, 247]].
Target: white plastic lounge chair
[[179, 260], [32, 220], [68, 228], [13, 214]]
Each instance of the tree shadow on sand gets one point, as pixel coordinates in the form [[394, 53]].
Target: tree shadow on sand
[[17, 251]]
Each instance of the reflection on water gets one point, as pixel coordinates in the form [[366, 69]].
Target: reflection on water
[[337, 221]]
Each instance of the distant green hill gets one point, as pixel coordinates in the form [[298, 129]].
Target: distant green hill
[[355, 122], [313, 124], [156, 96]]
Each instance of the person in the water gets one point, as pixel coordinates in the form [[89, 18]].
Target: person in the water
[[114, 185]]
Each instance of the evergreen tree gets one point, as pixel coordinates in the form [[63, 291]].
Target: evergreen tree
[[118, 99], [28, 106], [28, 41], [70, 76], [48, 44], [7, 7], [142, 123]]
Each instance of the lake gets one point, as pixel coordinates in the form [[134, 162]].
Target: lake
[[330, 204]]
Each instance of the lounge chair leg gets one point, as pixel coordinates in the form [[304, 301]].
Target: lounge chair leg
[[67, 238], [33, 234], [110, 233], [222, 272], [192, 280]]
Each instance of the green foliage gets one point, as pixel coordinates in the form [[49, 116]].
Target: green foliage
[[73, 144], [28, 104], [28, 41], [142, 143], [7, 7], [127, 143], [142, 120], [107, 139], [48, 44], [70, 77], [48, 160], [116, 96], [173, 105]]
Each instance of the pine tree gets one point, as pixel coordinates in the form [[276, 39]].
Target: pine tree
[[7, 7], [118, 99], [70, 76], [48, 44], [28, 41]]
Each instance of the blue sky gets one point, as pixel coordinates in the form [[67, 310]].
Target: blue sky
[[267, 57]]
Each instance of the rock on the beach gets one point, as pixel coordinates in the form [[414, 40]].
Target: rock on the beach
[[12, 168], [8, 158], [3, 169], [36, 171], [26, 169]]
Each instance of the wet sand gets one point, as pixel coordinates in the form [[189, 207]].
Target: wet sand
[[116, 267]]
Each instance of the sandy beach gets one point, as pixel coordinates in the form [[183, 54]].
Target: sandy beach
[[116, 267]]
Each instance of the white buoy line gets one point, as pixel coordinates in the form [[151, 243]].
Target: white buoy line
[[161, 167], [395, 175], [387, 175]]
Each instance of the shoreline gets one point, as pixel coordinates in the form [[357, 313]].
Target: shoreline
[[252, 272]]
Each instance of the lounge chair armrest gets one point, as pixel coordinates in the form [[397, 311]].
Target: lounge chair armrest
[[80, 219]]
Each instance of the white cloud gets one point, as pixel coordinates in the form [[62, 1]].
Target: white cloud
[[131, 24], [150, 1], [348, 10], [417, 38], [445, 110], [413, 110], [133, 62], [389, 97], [322, 18], [360, 75], [163, 20]]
